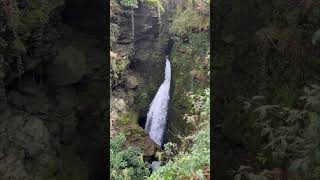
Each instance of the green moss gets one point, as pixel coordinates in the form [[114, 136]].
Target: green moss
[[188, 21], [186, 58], [33, 17], [144, 96], [127, 118]]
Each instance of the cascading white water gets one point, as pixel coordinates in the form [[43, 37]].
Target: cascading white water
[[157, 114]]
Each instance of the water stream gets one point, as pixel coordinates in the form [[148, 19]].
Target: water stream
[[157, 114]]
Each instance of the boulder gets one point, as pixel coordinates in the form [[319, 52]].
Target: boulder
[[118, 104], [30, 133], [131, 82], [68, 67], [12, 165], [155, 165]]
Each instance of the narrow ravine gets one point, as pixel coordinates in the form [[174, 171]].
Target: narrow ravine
[[157, 114]]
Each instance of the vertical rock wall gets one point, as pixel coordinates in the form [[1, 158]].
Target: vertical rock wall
[[52, 78], [148, 60]]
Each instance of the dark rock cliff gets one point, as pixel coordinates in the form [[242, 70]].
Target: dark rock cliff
[[53, 90]]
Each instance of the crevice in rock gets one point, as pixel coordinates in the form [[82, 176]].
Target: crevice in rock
[[142, 119]]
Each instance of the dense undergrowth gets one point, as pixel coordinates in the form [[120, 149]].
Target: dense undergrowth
[[273, 53], [126, 162]]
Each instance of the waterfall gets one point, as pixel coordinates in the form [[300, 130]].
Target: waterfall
[[157, 114]]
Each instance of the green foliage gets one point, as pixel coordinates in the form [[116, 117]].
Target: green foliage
[[129, 3], [127, 118], [135, 3], [200, 107], [156, 3], [186, 163], [191, 64], [126, 162], [170, 151], [189, 20], [292, 135], [191, 160], [114, 33], [35, 15], [285, 31], [117, 70]]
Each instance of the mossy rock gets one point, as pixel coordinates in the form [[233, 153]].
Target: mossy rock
[[144, 95], [127, 118], [136, 136], [132, 82], [34, 15]]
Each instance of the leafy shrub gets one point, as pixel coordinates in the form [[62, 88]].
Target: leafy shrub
[[189, 21], [129, 3], [126, 162], [156, 3], [291, 136]]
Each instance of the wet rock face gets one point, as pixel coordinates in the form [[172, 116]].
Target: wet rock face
[[148, 56], [148, 60]]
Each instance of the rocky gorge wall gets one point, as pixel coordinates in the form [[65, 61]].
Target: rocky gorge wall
[[137, 70], [53, 92], [142, 63], [149, 58]]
